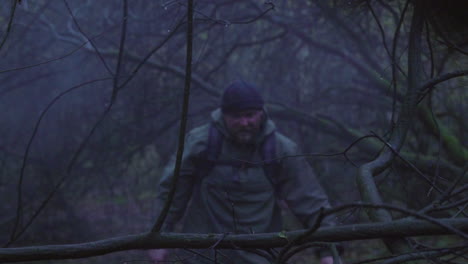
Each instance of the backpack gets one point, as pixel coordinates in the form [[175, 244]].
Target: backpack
[[209, 158]]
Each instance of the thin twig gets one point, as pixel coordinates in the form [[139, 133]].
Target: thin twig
[[394, 61], [461, 210], [121, 50], [223, 236], [14, 234], [303, 237], [233, 211], [428, 86], [431, 51], [55, 59], [439, 145], [401, 256], [420, 173], [280, 159], [199, 254], [238, 22], [449, 206], [270, 8], [10, 22], [300, 248], [382, 31], [397, 209], [146, 58], [456, 183], [86, 36]]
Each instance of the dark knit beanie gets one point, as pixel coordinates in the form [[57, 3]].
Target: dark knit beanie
[[240, 96]]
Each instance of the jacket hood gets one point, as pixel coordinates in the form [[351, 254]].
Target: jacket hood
[[267, 128]]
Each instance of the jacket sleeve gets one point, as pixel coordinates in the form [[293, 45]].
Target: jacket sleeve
[[302, 191], [184, 186], [300, 188]]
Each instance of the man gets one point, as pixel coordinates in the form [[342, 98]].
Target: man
[[225, 186]]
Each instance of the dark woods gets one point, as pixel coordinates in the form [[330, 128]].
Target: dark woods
[[91, 98]]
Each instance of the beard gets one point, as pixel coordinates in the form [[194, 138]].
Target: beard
[[245, 137]]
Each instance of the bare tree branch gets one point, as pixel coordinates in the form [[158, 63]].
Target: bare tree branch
[[89, 39], [57, 58], [399, 228], [123, 34], [14, 233], [428, 86], [183, 120], [366, 183], [10, 22]]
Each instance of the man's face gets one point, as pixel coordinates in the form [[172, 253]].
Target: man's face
[[244, 125]]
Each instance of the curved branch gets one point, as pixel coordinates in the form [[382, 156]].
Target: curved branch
[[14, 234], [428, 86], [365, 180], [183, 121]]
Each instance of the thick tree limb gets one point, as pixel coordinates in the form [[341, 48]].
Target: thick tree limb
[[399, 228], [367, 186]]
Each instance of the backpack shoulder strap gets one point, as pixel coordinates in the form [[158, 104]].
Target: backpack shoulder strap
[[269, 149], [215, 143], [271, 164], [209, 158], [206, 160]]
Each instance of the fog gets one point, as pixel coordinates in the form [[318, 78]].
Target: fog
[[90, 102]]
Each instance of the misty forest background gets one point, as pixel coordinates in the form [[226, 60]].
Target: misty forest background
[[91, 97]]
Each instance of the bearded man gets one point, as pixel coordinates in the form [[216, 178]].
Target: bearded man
[[234, 171]]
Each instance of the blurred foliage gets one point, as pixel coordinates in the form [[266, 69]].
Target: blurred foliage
[[321, 65]]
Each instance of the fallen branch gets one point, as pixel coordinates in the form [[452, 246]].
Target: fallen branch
[[399, 228]]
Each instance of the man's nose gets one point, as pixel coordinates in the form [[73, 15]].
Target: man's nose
[[244, 121]]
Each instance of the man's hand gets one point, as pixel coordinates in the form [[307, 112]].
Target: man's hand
[[158, 255], [329, 260]]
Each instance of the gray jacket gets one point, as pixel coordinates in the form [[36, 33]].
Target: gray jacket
[[240, 200]]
